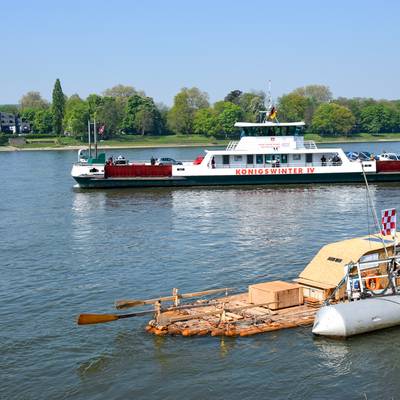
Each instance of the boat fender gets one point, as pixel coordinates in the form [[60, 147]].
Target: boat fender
[[372, 283]]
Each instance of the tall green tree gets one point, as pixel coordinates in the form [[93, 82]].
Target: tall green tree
[[332, 119], [58, 108], [186, 103]]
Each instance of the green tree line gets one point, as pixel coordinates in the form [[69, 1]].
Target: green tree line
[[125, 110]]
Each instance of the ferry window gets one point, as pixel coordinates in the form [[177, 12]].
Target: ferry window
[[269, 158], [225, 159], [250, 158], [259, 159], [296, 157], [309, 157], [237, 158], [284, 158]]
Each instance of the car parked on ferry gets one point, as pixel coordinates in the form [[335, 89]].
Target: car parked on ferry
[[120, 160], [167, 161], [359, 155], [388, 157]]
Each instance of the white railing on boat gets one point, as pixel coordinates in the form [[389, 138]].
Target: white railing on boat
[[232, 145], [309, 144], [281, 165]]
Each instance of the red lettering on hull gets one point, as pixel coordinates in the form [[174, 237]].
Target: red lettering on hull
[[274, 171]]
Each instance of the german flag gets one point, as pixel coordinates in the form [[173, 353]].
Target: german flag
[[272, 114]]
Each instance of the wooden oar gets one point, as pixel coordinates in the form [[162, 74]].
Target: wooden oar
[[133, 303], [86, 319]]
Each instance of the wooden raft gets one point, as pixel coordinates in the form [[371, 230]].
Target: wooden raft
[[230, 315], [242, 314]]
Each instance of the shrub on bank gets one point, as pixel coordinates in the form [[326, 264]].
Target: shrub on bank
[[4, 139]]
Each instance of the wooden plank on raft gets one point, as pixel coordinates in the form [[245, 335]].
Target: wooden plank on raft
[[119, 304], [166, 320]]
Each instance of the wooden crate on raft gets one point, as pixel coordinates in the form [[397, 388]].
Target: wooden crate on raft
[[277, 294]]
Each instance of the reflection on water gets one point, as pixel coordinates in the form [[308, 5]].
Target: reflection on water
[[335, 355], [85, 207]]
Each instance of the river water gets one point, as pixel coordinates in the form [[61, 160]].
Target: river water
[[65, 251]]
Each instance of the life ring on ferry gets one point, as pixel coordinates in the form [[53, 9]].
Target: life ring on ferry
[[372, 283]]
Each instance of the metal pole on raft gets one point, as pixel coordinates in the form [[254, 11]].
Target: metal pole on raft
[[90, 143], [373, 209]]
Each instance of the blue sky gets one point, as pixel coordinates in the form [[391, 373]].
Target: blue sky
[[218, 46]]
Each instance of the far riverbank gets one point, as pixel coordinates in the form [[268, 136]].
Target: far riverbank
[[176, 141]]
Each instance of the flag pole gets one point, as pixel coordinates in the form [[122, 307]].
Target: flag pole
[[90, 143], [373, 210], [95, 137]]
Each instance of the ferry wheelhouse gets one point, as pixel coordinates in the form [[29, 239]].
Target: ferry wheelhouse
[[267, 153]]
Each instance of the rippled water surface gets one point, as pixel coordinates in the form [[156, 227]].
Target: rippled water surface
[[65, 251]]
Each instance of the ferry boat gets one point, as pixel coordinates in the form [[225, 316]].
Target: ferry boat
[[267, 153]]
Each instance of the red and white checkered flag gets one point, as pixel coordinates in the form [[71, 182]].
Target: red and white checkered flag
[[389, 222]]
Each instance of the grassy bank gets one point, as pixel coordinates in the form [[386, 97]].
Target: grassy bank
[[181, 140], [125, 141], [360, 137]]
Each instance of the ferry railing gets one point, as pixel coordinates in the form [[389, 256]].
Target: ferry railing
[[281, 165], [232, 145], [310, 144]]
